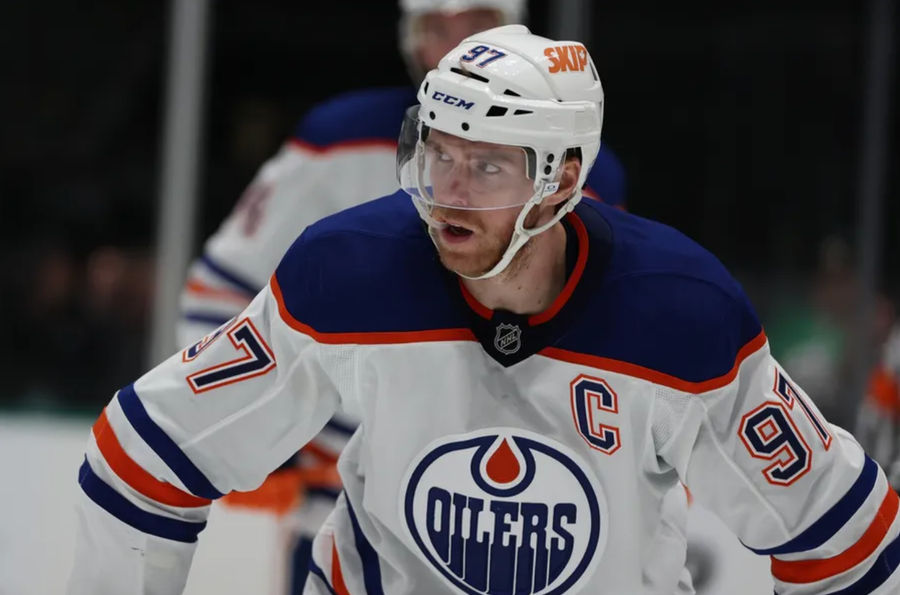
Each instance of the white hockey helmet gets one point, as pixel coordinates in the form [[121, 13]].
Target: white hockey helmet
[[411, 11], [507, 86]]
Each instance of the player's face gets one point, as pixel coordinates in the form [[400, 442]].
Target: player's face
[[439, 32], [478, 191]]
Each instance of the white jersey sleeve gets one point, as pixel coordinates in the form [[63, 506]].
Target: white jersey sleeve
[[755, 449], [215, 417]]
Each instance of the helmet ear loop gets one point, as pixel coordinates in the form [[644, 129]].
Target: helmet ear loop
[[544, 185]]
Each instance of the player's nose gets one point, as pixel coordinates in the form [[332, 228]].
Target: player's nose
[[458, 192]]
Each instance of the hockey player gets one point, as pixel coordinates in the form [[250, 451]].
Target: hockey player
[[342, 154], [533, 374]]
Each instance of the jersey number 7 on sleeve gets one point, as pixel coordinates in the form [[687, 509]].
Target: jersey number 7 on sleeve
[[257, 359]]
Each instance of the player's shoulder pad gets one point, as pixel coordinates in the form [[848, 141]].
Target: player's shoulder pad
[[370, 268], [665, 303], [366, 114]]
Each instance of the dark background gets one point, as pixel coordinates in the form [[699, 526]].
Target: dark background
[[738, 123]]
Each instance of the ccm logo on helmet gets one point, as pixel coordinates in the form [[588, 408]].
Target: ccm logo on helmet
[[564, 58], [451, 100]]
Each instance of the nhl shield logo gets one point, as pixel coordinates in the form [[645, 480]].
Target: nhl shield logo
[[508, 339], [502, 510]]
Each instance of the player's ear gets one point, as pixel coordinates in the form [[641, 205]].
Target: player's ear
[[568, 181]]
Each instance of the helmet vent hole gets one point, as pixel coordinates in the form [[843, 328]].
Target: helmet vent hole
[[426, 88], [511, 92], [550, 158], [496, 110], [470, 75], [522, 112], [465, 125], [431, 115], [547, 170]]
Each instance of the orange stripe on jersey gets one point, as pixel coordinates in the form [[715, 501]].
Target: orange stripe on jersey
[[321, 476], [574, 278], [348, 145], [810, 571], [278, 494], [320, 452], [367, 338], [197, 287], [476, 306], [135, 475], [655, 376], [337, 577], [560, 301], [884, 392]]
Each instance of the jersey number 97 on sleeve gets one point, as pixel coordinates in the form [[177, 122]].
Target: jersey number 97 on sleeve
[[769, 433], [256, 359]]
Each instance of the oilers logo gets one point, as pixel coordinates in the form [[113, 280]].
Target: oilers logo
[[505, 511]]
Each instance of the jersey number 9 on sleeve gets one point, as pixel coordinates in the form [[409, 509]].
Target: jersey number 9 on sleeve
[[257, 359], [769, 433]]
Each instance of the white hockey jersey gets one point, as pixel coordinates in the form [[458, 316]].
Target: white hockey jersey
[[497, 453]]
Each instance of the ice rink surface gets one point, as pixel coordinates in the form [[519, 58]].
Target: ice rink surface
[[238, 552]]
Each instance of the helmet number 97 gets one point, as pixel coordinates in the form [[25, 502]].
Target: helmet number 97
[[477, 51]]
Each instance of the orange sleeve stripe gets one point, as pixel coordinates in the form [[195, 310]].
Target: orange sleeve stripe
[[321, 476], [654, 376], [810, 571], [337, 577], [135, 475], [320, 453], [278, 494]]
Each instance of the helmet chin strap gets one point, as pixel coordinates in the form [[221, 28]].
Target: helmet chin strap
[[521, 234]]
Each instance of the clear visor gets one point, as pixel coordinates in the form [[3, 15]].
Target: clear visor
[[441, 170]]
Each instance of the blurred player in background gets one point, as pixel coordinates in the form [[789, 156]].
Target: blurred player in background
[[342, 153], [878, 418]]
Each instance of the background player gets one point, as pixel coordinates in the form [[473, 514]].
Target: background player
[[342, 153]]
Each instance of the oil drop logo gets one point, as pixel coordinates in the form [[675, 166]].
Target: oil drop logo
[[505, 511]]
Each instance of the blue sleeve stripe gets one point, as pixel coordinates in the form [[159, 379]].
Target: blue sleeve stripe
[[884, 567], [210, 318], [367, 554], [117, 505], [340, 427], [320, 574], [836, 517], [235, 280], [164, 446]]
